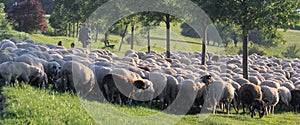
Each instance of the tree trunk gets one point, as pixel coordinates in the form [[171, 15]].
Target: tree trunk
[[123, 35], [132, 37], [149, 48], [66, 30], [204, 39], [77, 29], [97, 33], [106, 36], [69, 27], [74, 29], [245, 54], [168, 35]]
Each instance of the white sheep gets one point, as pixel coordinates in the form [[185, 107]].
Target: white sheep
[[272, 96]]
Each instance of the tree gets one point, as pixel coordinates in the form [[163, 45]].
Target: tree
[[262, 15], [3, 21], [148, 20], [28, 16]]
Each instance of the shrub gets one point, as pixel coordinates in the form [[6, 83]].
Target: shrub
[[291, 52], [254, 49]]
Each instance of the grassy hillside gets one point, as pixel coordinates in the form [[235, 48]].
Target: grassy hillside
[[158, 42], [28, 105]]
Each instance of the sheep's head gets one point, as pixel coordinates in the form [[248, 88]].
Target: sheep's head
[[207, 79], [259, 106], [140, 84]]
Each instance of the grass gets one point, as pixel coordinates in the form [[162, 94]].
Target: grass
[[29, 105]]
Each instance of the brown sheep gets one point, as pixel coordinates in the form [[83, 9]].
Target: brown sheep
[[248, 93]]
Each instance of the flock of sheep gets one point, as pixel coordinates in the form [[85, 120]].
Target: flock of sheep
[[172, 84]]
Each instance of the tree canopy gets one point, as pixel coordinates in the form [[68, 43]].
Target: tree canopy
[[263, 15], [28, 16]]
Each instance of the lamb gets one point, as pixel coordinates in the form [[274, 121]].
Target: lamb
[[272, 95], [295, 102], [248, 93]]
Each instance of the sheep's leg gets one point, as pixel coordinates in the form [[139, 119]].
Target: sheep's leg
[[162, 101], [243, 105], [150, 103], [118, 99], [228, 108], [235, 106], [252, 113], [266, 110], [214, 109], [221, 106]]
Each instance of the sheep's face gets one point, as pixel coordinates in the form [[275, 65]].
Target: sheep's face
[[207, 79]]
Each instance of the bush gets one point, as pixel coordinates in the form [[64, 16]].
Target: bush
[[5, 36], [253, 50], [258, 37], [291, 52], [188, 31]]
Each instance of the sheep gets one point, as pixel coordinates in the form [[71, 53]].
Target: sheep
[[288, 85], [295, 102], [118, 88], [248, 93], [7, 43], [171, 90], [70, 81], [185, 99], [29, 59], [272, 95], [241, 80], [126, 72], [270, 83], [5, 58], [285, 96], [254, 80], [11, 71], [214, 93], [159, 81], [100, 72], [228, 96]]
